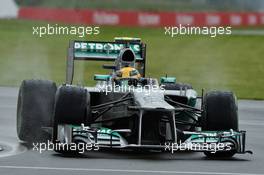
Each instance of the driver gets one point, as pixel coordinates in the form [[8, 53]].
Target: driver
[[126, 65], [128, 72]]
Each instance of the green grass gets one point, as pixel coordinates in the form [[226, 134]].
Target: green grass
[[226, 62]]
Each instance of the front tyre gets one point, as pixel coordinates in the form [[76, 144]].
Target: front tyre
[[35, 110], [72, 107], [220, 114]]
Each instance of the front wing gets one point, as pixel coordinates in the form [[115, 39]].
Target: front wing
[[203, 141]]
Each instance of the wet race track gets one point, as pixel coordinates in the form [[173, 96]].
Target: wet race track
[[18, 159]]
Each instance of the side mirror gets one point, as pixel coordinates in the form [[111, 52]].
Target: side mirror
[[167, 80], [113, 67], [98, 77]]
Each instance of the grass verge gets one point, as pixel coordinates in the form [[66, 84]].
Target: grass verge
[[225, 62]]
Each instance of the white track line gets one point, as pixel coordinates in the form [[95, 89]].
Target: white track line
[[250, 123], [122, 171]]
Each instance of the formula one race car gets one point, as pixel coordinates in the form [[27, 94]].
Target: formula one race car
[[127, 110]]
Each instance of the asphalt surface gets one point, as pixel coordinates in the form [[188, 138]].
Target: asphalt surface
[[17, 159]]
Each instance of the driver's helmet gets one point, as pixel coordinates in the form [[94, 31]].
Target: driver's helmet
[[128, 72], [126, 65]]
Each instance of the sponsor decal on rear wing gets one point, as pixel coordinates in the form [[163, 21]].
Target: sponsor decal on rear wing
[[105, 51]]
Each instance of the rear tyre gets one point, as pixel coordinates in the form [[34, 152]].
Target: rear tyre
[[35, 110], [220, 114], [72, 106]]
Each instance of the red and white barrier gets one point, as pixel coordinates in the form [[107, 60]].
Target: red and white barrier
[[138, 18]]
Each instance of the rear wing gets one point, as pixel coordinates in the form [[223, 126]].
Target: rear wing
[[103, 51]]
